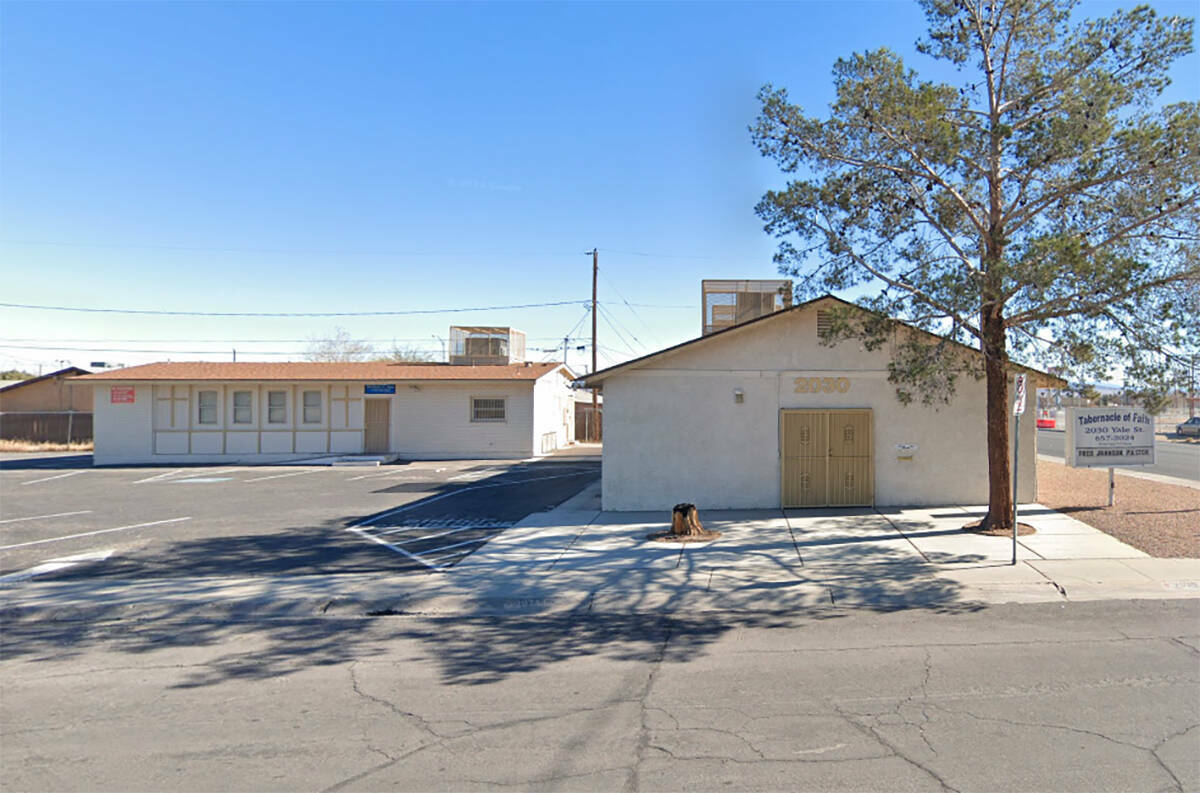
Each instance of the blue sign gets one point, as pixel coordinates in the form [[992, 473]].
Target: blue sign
[[390, 388]]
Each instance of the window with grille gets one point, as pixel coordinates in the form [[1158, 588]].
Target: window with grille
[[487, 409], [277, 407], [207, 402], [312, 407], [242, 411]]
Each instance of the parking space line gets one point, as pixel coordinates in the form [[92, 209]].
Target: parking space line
[[59, 476], [91, 533], [393, 547], [157, 477], [280, 476], [54, 565], [458, 544], [427, 536], [55, 515], [426, 501]]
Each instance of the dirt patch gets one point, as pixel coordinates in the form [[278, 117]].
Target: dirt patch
[[669, 536], [1023, 530], [1161, 519]]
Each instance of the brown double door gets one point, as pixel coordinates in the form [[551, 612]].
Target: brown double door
[[826, 458]]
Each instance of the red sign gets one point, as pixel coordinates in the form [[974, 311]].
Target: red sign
[[122, 394]]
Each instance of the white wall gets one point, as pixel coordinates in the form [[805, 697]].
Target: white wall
[[552, 400], [673, 431], [121, 432], [433, 420]]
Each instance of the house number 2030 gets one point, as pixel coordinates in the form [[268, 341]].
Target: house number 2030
[[822, 385]]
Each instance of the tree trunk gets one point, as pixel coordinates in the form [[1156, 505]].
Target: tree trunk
[[999, 474], [685, 521]]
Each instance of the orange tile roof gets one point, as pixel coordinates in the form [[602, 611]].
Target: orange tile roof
[[307, 370]]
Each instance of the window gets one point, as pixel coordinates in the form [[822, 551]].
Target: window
[[487, 409], [207, 400], [277, 407], [242, 413], [312, 407]]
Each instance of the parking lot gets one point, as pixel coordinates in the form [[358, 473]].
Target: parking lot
[[60, 517]]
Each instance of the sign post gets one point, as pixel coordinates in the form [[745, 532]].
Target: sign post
[[1018, 409]]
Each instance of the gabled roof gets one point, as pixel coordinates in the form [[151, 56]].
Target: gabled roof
[[309, 370], [596, 378], [70, 371]]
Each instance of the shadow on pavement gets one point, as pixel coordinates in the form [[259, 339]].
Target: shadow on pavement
[[21, 461], [481, 642]]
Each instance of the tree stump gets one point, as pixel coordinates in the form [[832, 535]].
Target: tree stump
[[685, 520], [685, 526]]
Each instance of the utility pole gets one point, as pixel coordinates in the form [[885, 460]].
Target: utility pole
[[595, 424], [565, 339], [1192, 390]]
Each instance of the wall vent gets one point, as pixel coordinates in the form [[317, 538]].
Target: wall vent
[[824, 323]]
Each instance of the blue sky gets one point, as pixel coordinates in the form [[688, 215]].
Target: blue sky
[[313, 157]]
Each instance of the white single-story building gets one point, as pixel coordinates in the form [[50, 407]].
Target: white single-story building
[[763, 415], [273, 412]]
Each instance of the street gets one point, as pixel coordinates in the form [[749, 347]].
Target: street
[[1171, 458], [1050, 697]]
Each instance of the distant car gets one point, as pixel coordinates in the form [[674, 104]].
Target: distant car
[[1189, 427]]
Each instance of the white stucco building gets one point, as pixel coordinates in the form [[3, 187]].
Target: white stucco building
[[273, 412], [763, 415]]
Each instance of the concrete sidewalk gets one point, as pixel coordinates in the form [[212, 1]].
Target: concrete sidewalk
[[578, 558]]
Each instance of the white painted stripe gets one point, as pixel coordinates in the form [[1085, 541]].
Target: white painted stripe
[[456, 545], [39, 517], [59, 476], [56, 564], [426, 501], [91, 533], [158, 476], [395, 548], [280, 476], [425, 536]]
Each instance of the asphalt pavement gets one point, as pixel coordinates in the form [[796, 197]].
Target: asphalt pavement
[[1180, 459], [61, 518], [1048, 697]]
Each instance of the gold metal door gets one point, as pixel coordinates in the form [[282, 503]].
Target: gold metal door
[[826, 458], [805, 452], [850, 474], [376, 421]]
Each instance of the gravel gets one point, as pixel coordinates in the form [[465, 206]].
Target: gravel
[[1161, 519]]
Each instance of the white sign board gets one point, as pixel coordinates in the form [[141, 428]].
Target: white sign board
[[1019, 405], [1103, 437]]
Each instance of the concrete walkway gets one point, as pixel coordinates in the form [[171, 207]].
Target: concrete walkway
[[578, 558]]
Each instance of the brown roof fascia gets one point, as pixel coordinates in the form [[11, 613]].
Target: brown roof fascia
[[67, 372]]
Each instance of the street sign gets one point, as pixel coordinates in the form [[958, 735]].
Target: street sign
[[1107, 437], [1019, 406]]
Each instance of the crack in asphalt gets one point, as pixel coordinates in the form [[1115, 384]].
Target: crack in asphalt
[[1152, 751], [639, 755]]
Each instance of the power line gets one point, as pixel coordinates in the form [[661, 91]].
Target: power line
[[613, 322], [248, 341], [410, 312], [293, 251], [172, 352]]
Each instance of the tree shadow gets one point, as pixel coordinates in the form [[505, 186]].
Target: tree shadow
[[606, 593]]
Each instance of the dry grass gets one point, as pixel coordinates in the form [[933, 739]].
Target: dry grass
[[1162, 520], [43, 446]]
